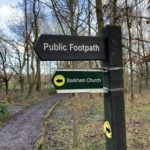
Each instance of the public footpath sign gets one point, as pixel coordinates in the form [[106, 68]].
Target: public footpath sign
[[77, 81], [59, 47], [107, 48]]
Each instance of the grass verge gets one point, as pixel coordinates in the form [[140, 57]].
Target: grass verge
[[90, 121], [40, 142]]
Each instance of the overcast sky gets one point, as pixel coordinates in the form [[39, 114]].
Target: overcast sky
[[7, 12]]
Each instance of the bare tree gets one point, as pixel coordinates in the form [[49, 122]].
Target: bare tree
[[128, 20], [5, 69]]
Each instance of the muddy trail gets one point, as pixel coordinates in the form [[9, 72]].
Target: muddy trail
[[21, 131]]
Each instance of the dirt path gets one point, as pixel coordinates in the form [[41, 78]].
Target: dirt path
[[21, 132]]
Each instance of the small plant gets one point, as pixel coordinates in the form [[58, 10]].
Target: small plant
[[4, 114]]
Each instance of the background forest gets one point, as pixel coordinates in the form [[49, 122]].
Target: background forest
[[22, 71]]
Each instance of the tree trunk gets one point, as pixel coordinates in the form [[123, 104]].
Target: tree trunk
[[89, 32], [75, 123], [38, 78], [140, 70], [130, 52], [6, 86], [113, 10], [146, 63], [73, 65], [99, 15], [21, 85], [34, 80], [36, 33], [100, 23], [147, 74]]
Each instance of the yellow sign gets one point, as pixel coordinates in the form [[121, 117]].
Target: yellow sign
[[107, 129], [59, 80]]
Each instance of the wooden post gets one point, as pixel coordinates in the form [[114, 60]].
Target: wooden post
[[114, 106]]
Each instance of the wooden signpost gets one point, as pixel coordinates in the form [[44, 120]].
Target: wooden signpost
[[114, 106], [107, 48]]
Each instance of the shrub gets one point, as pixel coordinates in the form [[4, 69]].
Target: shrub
[[4, 113]]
